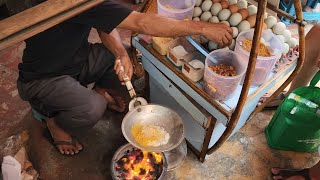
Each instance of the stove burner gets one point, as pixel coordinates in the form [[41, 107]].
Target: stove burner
[[139, 165]]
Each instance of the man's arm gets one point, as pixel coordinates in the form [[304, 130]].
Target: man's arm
[[113, 42], [155, 25]]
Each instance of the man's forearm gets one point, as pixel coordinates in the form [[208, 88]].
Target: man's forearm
[[113, 42], [115, 34], [155, 25]]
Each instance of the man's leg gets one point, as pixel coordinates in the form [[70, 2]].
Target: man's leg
[[69, 145], [99, 70], [313, 173], [309, 68], [76, 108]]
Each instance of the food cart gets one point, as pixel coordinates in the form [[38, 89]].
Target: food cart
[[209, 122]]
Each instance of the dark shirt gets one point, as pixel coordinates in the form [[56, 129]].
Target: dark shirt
[[52, 52]]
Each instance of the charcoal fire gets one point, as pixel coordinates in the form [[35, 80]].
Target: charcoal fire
[[139, 165]]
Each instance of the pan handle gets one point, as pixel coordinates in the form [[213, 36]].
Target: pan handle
[[136, 102], [127, 81]]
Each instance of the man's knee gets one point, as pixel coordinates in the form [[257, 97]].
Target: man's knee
[[314, 32], [95, 109], [317, 27], [83, 116]]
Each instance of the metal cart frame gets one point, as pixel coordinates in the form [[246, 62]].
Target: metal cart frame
[[262, 5]]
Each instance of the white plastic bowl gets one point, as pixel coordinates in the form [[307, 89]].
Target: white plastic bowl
[[179, 9]]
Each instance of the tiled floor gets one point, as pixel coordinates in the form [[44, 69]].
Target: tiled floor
[[244, 156]]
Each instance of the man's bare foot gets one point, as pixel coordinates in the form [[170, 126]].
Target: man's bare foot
[[115, 101], [289, 174], [63, 141], [277, 101]]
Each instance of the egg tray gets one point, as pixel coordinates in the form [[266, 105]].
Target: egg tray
[[251, 18], [286, 60], [232, 8]]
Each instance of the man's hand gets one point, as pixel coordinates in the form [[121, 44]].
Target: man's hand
[[218, 33], [113, 42], [125, 62], [167, 27]]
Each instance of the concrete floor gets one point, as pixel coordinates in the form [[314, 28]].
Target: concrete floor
[[245, 156]]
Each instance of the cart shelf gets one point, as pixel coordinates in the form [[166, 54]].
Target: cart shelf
[[222, 108]]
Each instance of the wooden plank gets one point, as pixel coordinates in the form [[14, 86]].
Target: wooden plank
[[39, 18], [35, 15]]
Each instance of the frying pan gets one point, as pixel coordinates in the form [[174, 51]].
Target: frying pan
[[140, 112]]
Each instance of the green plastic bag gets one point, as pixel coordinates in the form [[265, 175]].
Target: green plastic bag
[[296, 124]]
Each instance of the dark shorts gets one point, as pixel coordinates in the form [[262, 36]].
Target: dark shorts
[[75, 107]]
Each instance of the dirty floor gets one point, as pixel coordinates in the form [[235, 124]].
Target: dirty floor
[[245, 156]]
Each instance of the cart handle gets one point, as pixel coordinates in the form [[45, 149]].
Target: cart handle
[[298, 9], [249, 75]]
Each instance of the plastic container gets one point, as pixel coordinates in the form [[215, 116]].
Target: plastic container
[[264, 65], [161, 45], [174, 58], [222, 87], [194, 67], [176, 9]]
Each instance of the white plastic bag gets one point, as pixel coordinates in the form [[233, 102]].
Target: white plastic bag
[[11, 168]]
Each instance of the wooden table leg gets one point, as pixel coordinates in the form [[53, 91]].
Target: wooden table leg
[[207, 138]]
